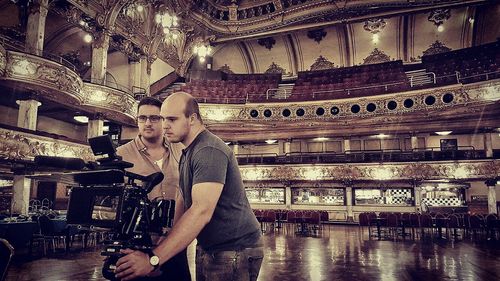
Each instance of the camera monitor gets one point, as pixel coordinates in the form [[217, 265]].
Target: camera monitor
[[95, 206]]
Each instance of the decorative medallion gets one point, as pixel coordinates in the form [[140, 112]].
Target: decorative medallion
[[316, 35], [267, 42], [376, 56], [225, 68], [275, 69], [374, 25], [321, 63], [439, 16], [436, 48]]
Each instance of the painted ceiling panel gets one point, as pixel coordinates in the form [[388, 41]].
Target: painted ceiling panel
[[329, 47], [364, 44], [232, 56], [426, 32], [264, 57]]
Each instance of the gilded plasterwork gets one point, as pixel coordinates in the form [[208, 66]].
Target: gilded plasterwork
[[3, 60], [23, 146], [40, 71], [110, 99], [347, 173]]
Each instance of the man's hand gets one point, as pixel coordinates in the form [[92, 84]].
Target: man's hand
[[134, 264]]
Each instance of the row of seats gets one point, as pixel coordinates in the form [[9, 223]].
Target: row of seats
[[465, 65], [461, 66], [430, 225], [237, 88]]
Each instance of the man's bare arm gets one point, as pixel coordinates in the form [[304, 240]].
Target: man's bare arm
[[205, 197], [190, 224]]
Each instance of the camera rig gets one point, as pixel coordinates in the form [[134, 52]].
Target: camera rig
[[106, 197]]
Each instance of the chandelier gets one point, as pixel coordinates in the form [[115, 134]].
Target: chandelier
[[169, 24], [202, 51]]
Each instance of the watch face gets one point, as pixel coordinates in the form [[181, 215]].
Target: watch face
[[154, 260]]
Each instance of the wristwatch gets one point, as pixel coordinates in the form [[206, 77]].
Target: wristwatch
[[154, 260]]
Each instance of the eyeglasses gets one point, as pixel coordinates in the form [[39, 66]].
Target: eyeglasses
[[152, 118]]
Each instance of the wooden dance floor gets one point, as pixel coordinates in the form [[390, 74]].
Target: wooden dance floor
[[339, 253]]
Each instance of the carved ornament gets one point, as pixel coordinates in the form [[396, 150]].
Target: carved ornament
[[376, 56], [346, 173], [275, 69], [316, 35], [3, 60], [322, 63], [267, 42], [439, 16], [25, 146], [436, 48], [374, 26], [226, 69]]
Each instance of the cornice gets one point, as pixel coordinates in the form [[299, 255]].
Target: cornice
[[309, 15], [52, 81], [348, 173]]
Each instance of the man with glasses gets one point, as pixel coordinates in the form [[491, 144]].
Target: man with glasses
[[217, 211], [150, 153]]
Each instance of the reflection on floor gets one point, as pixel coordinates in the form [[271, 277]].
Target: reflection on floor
[[339, 253]]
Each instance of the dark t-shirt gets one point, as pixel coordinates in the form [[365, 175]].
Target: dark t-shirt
[[233, 225]]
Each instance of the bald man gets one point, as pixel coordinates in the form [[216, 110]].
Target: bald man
[[217, 211]]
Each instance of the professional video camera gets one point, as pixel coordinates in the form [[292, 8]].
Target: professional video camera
[[108, 198]]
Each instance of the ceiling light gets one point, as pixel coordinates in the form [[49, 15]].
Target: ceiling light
[[382, 136], [375, 38], [444, 133], [202, 51], [81, 118], [320, 139], [271, 141], [87, 38], [440, 28]]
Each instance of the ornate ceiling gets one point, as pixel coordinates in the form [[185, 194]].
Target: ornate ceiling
[[257, 36], [249, 36]]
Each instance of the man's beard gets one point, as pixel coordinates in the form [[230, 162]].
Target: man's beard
[[152, 139]]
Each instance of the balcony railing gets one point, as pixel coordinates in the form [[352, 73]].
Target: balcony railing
[[363, 156]]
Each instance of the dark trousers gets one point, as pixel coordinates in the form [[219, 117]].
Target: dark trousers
[[242, 265], [175, 269]]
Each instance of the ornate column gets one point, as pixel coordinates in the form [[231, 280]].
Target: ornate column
[[21, 195], [233, 12], [135, 73], [27, 114], [99, 58], [348, 196], [488, 145], [236, 148], [347, 145], [418, 196], [35, 29], [95, 127], [492, 195], [288, 197], [283, 147], [146, 63], [414, 142]]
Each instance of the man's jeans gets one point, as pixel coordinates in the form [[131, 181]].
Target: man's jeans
[[243, 265]]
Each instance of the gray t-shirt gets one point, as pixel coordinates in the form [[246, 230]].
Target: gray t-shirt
[[233, 225]]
